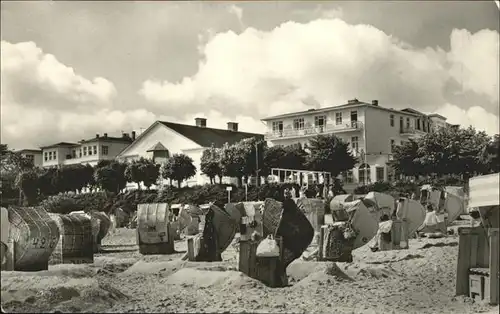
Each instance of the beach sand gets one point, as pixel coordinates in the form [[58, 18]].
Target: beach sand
[[418, 280]]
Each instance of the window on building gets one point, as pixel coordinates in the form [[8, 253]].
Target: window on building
[[391, 119], [298, 124], [46, 156], [354, 115], [85, 151], [379, 174], [90, 150], [418, 124], [95, 149], [407, 123], [423, 126], [80, 152], [50, 155], [30, 157], [73, 153], [401, 123], [55, 155], [104, 150], [319, 121], [349, 178], [277, 126], [354, 143], [338, 118], [364, 174], [393, 144]]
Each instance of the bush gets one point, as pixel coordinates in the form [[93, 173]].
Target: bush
[[381, 187], [198, 195]]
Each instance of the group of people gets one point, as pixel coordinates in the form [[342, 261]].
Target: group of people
[[326, 193]]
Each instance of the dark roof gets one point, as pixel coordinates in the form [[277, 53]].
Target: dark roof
[[108, 139], [158, 147], [413, 111], [207, 137], [66, 144]]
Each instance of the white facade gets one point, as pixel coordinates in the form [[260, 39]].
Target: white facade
[[370, 130], [176, 143], [87, 152]]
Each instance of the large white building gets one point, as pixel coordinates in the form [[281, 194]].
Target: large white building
[[163, 139], [371, 130], [89, 151]]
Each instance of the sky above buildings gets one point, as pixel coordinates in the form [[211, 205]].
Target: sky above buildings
[[73, 69]]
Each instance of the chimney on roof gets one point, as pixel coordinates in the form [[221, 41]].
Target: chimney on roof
[[97, 135], [232, 126], [201, 122], [375, 102], [133, 135], [353, 101], [105, 135]]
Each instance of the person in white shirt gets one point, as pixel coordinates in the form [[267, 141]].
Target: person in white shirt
[[330, 192]]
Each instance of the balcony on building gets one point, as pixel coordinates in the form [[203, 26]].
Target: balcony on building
[[316, 130]]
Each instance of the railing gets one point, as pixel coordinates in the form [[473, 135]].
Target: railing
[[352, 126]]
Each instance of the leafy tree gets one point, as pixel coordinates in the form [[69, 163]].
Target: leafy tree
[[452, 151], [133, 172], [151, 172], [47, 179], [211, 164], [11, 165], [330, 154], [179, 167], [406, 159], [489, 156], [253, 151], [27, 182], [289, 157], [233, 161], [111, 176]]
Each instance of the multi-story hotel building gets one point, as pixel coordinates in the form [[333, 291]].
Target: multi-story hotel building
[[371, 130], [89, 151]]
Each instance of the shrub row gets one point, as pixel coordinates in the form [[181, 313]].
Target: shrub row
[[216, 193]]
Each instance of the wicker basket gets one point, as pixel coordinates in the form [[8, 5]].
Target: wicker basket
[[314, 210], [75, 245], [154, 232], [35, 235]]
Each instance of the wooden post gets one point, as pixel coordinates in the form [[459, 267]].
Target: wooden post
[[494, 265], [190, 248], [463, 261], [320, 242]]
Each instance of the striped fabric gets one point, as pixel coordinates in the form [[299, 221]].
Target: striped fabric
[[484, 190]]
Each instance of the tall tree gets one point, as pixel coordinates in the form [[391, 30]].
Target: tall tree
[[151, 172], [111, 176], [406, 159], [451, 151], [233, 161], [133, 172], [489, 156], [211, 164], [179, 167], [253, 151], [330, 154]]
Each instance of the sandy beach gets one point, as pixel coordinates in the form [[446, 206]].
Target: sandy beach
[[418, 280]]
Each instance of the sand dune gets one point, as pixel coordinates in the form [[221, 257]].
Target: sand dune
[[418, 280]]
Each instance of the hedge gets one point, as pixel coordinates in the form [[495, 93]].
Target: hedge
[[216, 193]]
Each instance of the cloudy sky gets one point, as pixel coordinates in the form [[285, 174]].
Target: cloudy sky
[[73, 69]]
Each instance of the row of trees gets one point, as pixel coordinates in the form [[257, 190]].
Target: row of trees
[[252, 157], [448, 151]]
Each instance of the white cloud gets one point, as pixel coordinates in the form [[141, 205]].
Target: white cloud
[[45, 101], [257, 73], [475, 116]]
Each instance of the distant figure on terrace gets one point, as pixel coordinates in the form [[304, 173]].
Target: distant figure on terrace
[[330, 192], [293, 192], [302, 193], [318, 192]]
